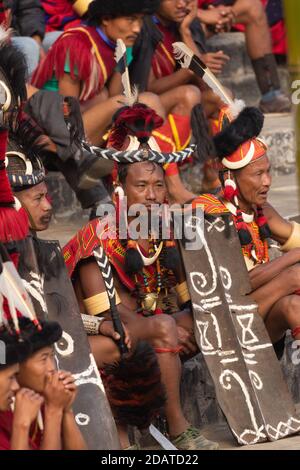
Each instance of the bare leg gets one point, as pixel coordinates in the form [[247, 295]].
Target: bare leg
[[97, 119], [259, 45], [181, 100], [100, 98], [258, 39], [123, 436], [285, 314], [97, 116]]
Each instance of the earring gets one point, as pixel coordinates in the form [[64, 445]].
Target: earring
[[230, 188], [119, 191]]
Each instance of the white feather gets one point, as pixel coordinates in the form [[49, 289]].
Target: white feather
[[131, 94], [183, 54], [120, 50], [236, 107], [5, 35]]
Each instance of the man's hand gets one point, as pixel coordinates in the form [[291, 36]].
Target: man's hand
[[27, 406], [107, 329], [222, 17], [68, 382], [187, 341], [191, 14], [56, 394], [215, 61]]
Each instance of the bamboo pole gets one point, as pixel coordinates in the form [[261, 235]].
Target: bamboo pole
[[292, 21]]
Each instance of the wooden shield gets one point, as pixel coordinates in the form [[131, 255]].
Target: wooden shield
[[232, 337], [54, 299]]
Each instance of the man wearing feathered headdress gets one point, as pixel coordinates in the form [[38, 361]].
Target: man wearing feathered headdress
[[81, 63], [145, 270], [246, 180]]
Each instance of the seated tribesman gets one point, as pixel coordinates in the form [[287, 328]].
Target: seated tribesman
[[176, 21], [178, 89], [145, 271], [27, 177], [14, 427], [246, 180], [42, 418], [250, 16], [17, 428], [81, 62], [60, 119], [56, 427]]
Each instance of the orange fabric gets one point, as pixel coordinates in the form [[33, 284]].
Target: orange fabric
[[239, 155], [213, 205]]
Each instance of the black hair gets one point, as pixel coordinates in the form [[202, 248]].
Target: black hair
[[99, 9], [123, 170]]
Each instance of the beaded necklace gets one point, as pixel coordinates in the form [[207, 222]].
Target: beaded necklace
[[148, 298]]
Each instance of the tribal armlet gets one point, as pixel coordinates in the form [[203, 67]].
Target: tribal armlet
[[183, 294], [99, 303], [91, 324], [294, 239]]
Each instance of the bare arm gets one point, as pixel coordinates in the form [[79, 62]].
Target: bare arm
[[161, 85], [92, 283], [263, 273], [72, 437], [281, 229], [57, 398], [115, 86], [52, 432], [27, 406], [214, 60], [20, 436]]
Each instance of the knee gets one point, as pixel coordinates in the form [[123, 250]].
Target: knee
[[254, 11], [191, 95], [153, 101], [291, 310], [292, 276]]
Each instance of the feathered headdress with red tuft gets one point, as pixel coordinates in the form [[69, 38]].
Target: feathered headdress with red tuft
[[138, 120]]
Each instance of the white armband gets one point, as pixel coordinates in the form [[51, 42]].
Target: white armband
[[294, 239]]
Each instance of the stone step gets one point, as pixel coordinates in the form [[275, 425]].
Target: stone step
[[279, 134], [238, 73], [245, 86]]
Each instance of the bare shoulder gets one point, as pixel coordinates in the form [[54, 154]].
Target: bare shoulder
[[280, 227]]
